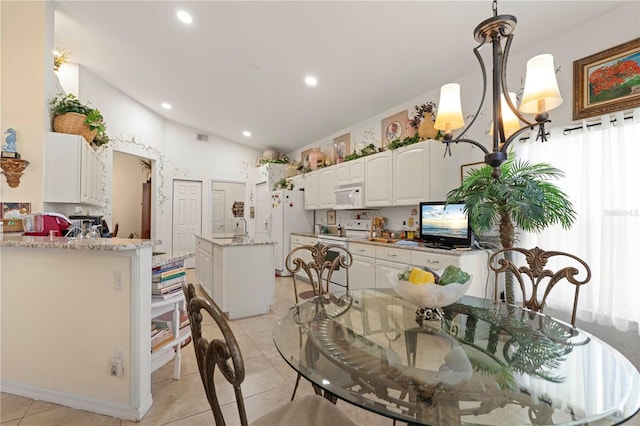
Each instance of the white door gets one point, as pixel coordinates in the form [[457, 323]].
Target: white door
[[263, 212], [217, 211], [187, 216]]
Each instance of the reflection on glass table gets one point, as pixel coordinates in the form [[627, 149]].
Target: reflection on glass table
[[484, 363]]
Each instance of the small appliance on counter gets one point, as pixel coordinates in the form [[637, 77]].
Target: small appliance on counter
[[42, 224]]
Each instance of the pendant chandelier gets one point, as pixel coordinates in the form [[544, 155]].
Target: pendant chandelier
[[541, 94]]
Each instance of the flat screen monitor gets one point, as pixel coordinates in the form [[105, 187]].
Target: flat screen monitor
[[444, 227]]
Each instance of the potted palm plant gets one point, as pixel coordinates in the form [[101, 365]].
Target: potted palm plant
[[522, 196], [72, 116]]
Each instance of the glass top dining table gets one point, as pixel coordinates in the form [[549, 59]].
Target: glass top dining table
[[485, 362]]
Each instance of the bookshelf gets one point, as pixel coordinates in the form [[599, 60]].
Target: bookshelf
[[170, 329]]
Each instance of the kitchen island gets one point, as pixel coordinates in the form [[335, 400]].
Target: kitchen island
[[68, 308], [237, 273]]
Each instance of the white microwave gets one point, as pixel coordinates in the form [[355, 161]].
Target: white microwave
[[348, 198]]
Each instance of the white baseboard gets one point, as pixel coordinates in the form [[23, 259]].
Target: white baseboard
[[78, 402]]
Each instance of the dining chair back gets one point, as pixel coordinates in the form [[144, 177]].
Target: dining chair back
[[224, 354], [317, 264], [534, 279]]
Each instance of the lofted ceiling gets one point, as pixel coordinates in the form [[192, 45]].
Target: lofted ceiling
[[241, 65]]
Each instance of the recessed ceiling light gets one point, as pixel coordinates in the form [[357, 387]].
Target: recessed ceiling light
[[184, 17], [310, 80], [166, 105], [247, 133]]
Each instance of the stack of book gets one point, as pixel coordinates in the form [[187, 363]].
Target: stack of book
[[165, 322], [166, 281], [160, 337]]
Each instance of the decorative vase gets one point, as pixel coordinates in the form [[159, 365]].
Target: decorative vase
[[316, 158], [426, 129]]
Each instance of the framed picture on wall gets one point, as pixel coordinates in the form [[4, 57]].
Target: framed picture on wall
[[331, 217], [465, 169], [394, 127], [607, 81], [342, 146]]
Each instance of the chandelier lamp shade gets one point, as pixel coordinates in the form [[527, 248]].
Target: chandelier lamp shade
[[541, 94]]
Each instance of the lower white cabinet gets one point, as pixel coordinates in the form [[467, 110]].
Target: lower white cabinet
[[73, 172], [204, 265], [362, 273], [472, 262], [237, 276], [390, 260], [372, 264]]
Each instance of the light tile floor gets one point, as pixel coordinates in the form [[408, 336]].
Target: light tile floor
[[269, 382]]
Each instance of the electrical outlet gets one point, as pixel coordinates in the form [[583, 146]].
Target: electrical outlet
[[117, 363], [118, 280]]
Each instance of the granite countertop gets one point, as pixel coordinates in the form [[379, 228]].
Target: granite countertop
[[419, 247], [160, 259], [228, 240], [99, 244]]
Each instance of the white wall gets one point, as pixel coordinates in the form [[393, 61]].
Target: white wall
[[565, 44], [176, 153], [128, 178]]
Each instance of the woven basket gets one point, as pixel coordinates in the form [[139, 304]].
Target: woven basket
[[12, 225], [74, 123]]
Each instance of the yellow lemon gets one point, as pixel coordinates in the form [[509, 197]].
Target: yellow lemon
[[419, 276]]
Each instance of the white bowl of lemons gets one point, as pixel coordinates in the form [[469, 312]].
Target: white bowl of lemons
[[430, 289]]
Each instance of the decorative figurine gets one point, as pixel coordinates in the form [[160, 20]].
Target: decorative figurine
[[10, 146]]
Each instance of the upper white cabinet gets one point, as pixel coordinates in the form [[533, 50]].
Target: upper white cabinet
[[73, 172], [326, 187], [378, 174], [350, 172], [311, 189], [411, 174]]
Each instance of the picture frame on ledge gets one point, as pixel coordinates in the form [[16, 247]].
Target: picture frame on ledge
[[342, 147], [394, 127], [607, 81], [304, 158], [465, 169], [331, 217]]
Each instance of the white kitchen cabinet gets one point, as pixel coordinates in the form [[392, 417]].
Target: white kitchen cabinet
[[350, 172], [473, 262], [390, 260], [326, 187], [271, 173], [378, 188], [311, 191], [362, 273], [71, 160], [411, 174], [297, 181], [204, 265]]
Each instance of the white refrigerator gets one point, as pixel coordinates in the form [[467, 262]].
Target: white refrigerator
[[287, 215]]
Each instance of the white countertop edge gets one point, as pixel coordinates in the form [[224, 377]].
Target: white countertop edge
[[227, 240], [97, 244], [392, 245]]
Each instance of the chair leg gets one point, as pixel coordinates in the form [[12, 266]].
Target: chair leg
[[295, 388]]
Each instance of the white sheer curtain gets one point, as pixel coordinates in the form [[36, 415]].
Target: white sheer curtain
[[602, 168]]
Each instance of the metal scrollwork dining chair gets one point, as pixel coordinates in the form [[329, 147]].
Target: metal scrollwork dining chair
[[224, 354], [540, 281], [317, 264]]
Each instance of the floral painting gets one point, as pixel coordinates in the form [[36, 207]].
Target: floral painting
[[607, 81]]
